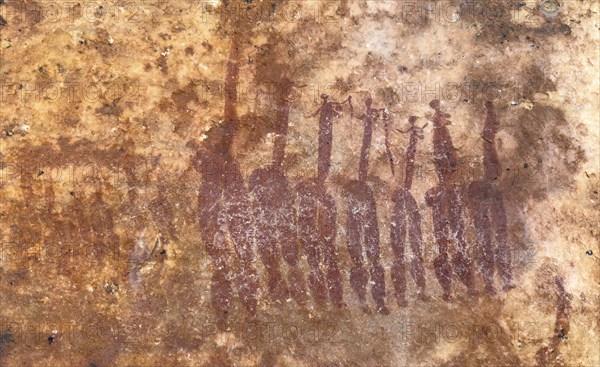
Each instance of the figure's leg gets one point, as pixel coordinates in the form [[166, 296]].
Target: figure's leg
[[216, 246], [327, 234], [415, 237], [287, 237], [220, 288], [307, 234], [266, 242], [358, 275], [371, 236], [240, 229], [484, 252], [441, 264], [265, 233], [503, 251], [397, 236], [462, 263]]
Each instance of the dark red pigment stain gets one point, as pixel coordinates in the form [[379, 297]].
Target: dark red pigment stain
[[317, 215], [362, 226], [275, 214], [547, 356], [225, 207], [487, 209], [446, 205], [407, 219]]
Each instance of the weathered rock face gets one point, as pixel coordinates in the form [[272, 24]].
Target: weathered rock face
[[314, 183]]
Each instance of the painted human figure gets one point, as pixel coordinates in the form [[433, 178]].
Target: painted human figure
[[362, 226], [224, 206], [447, 210], [489, 215], [275, 214], [406, 220], [317, 215]]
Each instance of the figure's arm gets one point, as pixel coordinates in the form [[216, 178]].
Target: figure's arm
[[388, 150], [317, 112], [349, 101]]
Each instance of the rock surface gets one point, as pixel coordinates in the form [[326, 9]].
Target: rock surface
[[299, 183]]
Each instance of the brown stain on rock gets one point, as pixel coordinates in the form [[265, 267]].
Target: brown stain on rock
[[497, 26], [162, 65], [543, 145], [78, 231], [180, 105], [112, 109], [53, 159]]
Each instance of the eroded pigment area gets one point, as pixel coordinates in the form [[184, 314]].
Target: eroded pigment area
[[314, 183]]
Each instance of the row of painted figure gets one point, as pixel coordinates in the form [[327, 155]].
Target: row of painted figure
[[280, 220], [284, 222]]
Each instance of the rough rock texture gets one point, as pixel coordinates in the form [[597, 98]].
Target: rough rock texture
[[299, 183]]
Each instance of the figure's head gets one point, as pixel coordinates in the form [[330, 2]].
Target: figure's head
[[324, 97], [489, 105], [412, 120], [435, 104], [369, 102]]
